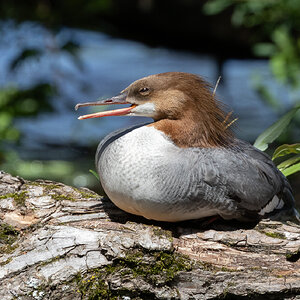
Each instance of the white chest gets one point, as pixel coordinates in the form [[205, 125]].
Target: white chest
[[144, 173], [129, 169]]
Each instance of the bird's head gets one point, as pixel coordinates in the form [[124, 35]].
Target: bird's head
[[172, 96]]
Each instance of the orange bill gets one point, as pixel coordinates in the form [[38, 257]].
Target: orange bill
[[115, 112]]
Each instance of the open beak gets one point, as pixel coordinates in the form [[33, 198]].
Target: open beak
[[120, 99]]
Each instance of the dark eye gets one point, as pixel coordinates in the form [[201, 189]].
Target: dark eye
[[144, 90]]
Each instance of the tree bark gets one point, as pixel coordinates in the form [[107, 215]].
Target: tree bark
[[62, 242]]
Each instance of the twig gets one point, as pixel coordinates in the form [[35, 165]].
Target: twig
[[217, 83]]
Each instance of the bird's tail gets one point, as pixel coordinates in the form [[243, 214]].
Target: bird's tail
[[297, 215], [288, 212]]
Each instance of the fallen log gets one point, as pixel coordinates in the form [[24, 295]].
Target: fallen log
[[62, 242]]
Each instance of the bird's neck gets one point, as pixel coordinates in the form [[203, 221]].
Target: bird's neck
[[197, 129]]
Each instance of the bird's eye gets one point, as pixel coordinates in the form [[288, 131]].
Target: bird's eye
[[144, 90]]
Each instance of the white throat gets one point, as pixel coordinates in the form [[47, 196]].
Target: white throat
[[144, 110]]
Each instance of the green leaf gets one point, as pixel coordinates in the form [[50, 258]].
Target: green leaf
[[274, 131], [291, 170], [264, 49], [95, 174], [216, 6], [289, 162], [286, 149]]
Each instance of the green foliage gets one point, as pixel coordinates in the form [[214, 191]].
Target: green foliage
[[286, 149], [292, 164], [95, 174], [21, 103], [277, 37], [16, 103], [277, 31], [274, 131]]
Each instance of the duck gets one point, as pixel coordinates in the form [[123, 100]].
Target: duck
[[187, 163]]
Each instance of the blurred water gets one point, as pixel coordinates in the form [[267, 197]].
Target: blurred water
[[103, 67]]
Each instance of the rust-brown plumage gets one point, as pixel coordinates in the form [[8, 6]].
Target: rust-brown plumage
[[187, 110]]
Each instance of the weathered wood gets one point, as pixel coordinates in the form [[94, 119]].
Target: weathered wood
[[61, 242]]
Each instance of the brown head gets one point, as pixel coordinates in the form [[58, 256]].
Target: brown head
[[181, 104]]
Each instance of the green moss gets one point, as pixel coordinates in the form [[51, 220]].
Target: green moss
[[5, 262], [50, 189], [207, 266], [8, 235], [93, 286], [276, 235], [46, 186], [255, 268], [213, 268], [156, 268], [18, 197], [51, 186], [224, 269], [86, 194], [8, 248], [62, 197]]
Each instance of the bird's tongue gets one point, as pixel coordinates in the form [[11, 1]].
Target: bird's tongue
[[115, 112]]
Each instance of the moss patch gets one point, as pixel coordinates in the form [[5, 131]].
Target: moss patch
[[55, 191], [50, 189], [19, 197], [46, 186], [5, 262], [93, 286], [276, 235], [156, 268], [61, 197], [8, 235], [213, 268], [86, 194]]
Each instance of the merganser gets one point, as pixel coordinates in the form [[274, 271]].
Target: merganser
[[187, 164]]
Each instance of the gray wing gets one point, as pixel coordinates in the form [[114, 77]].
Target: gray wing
[[272, 176], [252, 180], [112, 137]]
